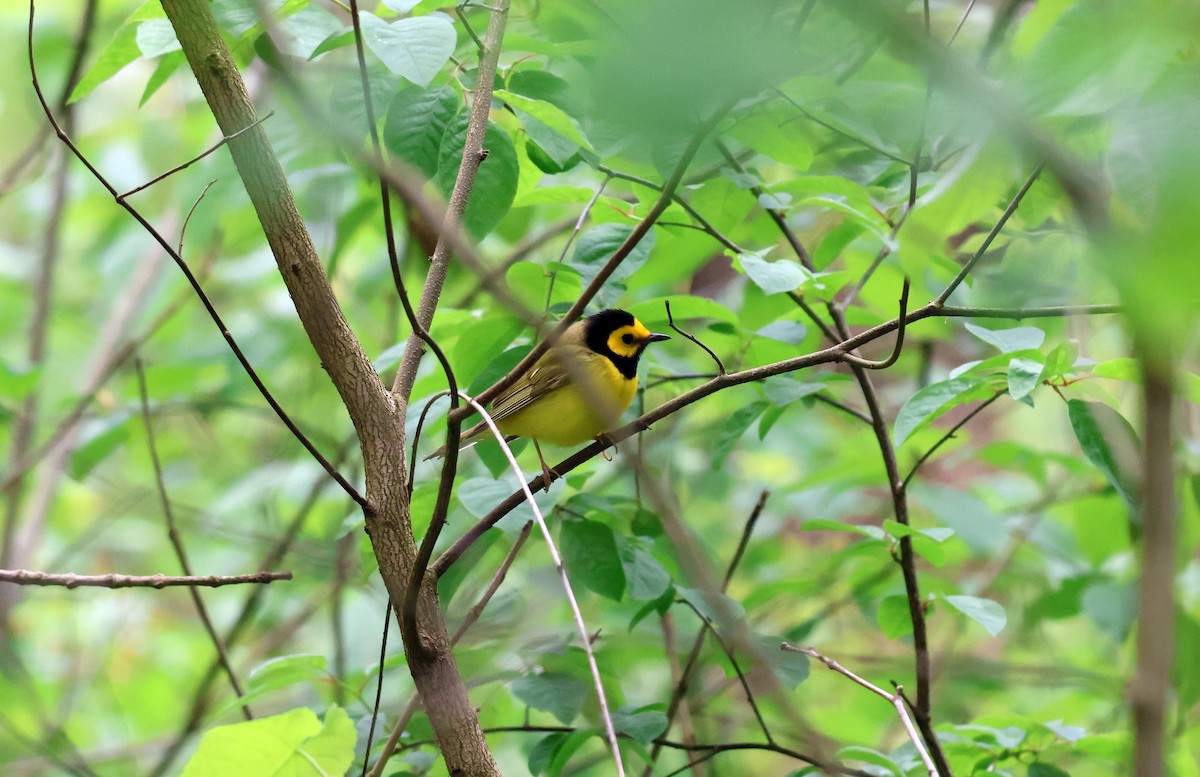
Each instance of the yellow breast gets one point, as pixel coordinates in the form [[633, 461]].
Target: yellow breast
[[572, 413]]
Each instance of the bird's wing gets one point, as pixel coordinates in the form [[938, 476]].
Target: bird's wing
[[546, 375]]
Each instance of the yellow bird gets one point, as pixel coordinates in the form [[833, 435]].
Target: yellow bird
[[577, 390]]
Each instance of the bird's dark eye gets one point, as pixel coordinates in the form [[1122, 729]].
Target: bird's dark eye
[[627, 339]]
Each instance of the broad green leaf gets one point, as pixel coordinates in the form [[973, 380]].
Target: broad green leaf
[[100, 438], [892, 617], [1110, 443], [590, 555], [596, 246], [1061, 359], [869, 756], [642, 724], [559, 693], [156, 37], [790, 667], [930, 402], [548, 114], [495, 182], [773, 133], [16, 382], [647, 579], [653, 313], [415, 48], [1016, 339], [785, 331], [417, 121], [544, 751], [294, 742], [480, 495], [1023, 377], [575, 740], [118, 52], [482, 342], [782, 390], [1043, 769], [985, 612], [732, 429], [825, 524], [533, 283], [773, 277], [1112, 607]]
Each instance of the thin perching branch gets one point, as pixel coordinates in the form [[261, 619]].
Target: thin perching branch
[[72, 580], [895, 699], [585, 638]]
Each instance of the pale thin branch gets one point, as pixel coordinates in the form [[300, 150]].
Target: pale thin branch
[[895, 699], [949, 435], [224, 139], [72, 580], [585, 639]]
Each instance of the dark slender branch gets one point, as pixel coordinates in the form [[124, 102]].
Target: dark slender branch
[[962, 20], [671, 322], [867, 364], [685, 675], [383, 640], [72, 580], [177, 540], [949, 435], [191, 278], [987, 242], [224, 139], [866, 419]]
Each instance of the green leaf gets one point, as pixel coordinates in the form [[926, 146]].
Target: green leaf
[[869, 756], [1061, 359], [819, 524], [653, 313], [548, 114], [642, 724], [559, 693], [596, 246], [1042, 769], [414, 48], [482, 342], [790, 332], [480, 495], [783, 390], [647, 579], [790, 667], [773, 277], [1110, 443], [416, 122], [985, 612], [17, 382], [930, 402], [1112, 607], [1016, 339], [544, 751], [156, 37], [732, 430], [495, 183], [892, 617], [118, 52], [100, 438], [773, 134], [293, 742], [1023, 377], [590, 555]]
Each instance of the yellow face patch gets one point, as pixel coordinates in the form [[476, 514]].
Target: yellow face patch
[[629, 340]]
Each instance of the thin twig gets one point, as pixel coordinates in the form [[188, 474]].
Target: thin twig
[[224, 139], [177, 540], [867, 364], [987, 241], [949, 435], [685, 675], [895, 699], [671, 322], [72, 580], [609, 730], [383, 640]]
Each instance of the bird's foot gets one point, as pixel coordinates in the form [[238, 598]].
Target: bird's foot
[[606, 442]]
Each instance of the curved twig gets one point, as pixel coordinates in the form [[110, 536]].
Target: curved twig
[[889, 361], [671, 322]]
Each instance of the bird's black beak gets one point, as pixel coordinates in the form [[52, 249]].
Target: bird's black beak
[[655, 337]]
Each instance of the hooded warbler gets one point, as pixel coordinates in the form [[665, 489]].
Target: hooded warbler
[[577, 390]]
